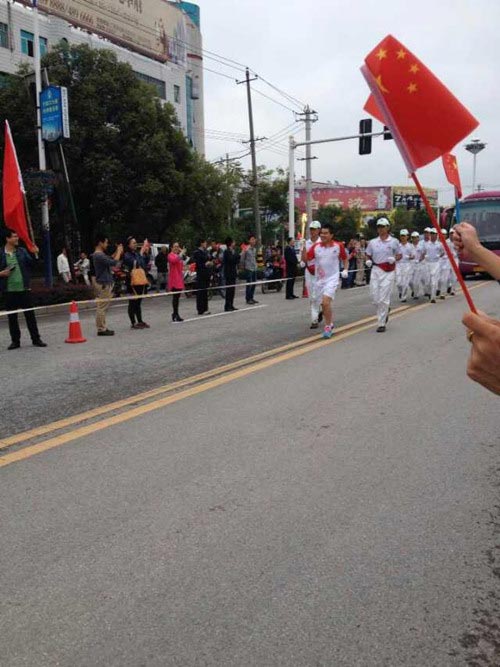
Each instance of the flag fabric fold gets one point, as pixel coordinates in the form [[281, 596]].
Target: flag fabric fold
[[14, 211], [450, 166], [425, 118]]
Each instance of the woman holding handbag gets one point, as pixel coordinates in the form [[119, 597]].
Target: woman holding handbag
[[137, 281]]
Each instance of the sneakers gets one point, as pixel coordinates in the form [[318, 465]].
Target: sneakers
[[39, 343], [314, 325], [380, 329], [106, 332], [433, 300], [442, 296], [143, 325], [252, 302], [328, 331]]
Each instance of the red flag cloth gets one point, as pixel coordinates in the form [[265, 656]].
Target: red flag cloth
[[14, 213], [425, 118], [452, 174]]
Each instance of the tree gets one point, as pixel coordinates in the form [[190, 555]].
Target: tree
[[345, 221], [131, 168]]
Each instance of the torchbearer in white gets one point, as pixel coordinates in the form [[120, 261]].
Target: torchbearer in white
[[382, 253], [404, 265], [327, 255], [444, 270], [309, 275], [449, 280], [433, 253], [426, 276]]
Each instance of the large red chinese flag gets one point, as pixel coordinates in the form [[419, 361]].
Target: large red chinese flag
[[425, 118], [14, 213], [452, 174]]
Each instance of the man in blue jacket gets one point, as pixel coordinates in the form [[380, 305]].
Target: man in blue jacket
[[15, 275]]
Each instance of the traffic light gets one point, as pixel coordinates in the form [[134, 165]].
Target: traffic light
[[365, 143], [387, 133]]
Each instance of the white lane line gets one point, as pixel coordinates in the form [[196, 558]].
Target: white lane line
[[202, 318]]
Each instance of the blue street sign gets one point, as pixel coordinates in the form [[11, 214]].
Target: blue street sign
[[54, 111]]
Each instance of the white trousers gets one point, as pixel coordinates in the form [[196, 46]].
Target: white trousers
[[434, 275], [313, 298], [447, 278], [403, 276], [426, 276], [381, 285], [417, 279]]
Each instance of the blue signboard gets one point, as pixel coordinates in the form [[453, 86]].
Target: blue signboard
[[54, 111]]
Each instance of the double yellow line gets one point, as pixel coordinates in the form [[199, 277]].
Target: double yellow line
[[140, 404]]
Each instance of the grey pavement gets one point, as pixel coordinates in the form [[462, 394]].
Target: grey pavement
[[336, 509], [63, 379]]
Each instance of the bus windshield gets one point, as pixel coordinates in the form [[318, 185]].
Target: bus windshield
[[485, 216]]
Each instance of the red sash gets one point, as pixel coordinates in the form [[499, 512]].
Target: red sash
[[386, 266]]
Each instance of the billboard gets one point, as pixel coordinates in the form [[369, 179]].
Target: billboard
[[54, 113], [377, 198], [151, 27], [406, 196]]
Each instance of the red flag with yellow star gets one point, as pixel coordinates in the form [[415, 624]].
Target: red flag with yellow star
[[452, 174], [425, 118]]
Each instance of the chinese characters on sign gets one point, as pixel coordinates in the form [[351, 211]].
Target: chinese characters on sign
[[55, 114]]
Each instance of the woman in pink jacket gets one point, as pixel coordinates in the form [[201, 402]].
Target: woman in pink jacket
[[176, 278]]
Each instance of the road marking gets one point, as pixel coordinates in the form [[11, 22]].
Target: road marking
[[83, 431], [152, 393], [284, 353], [201, 318]]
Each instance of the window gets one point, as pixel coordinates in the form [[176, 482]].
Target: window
[[161, 89], [28, 44], [177, 94], [4, 79], [4, 35]]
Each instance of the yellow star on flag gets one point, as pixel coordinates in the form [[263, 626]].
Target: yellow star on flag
[[401, 54], [412, 88], [381, 54], [414, 68]]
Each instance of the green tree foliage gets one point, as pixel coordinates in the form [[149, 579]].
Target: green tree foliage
[[346, 222], [132, 170]]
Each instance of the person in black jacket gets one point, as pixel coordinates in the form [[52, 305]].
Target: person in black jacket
[[291, 268], [203, 270], [15, 275], [230, 261], [161, 263]]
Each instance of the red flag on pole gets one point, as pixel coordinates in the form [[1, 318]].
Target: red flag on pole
[[425, 118], [14, 212], [452, 174]]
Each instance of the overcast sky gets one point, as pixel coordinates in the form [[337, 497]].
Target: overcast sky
[[313, 51]]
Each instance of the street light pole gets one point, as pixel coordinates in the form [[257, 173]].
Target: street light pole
[[475, 146], [47, 252]]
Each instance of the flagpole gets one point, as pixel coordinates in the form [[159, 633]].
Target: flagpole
[[437, 226], [457, 208], [41, 147]]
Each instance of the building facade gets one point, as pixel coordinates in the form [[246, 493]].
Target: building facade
[[172, 63]]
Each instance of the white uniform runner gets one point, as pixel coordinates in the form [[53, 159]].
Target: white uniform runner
[[311, 283], [404, 269], [327, 267], [433, 253], [417, 277], [382, 281], [448, 277]]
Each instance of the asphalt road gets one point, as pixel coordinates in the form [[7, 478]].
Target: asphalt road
[[338, 508], [64, 379]]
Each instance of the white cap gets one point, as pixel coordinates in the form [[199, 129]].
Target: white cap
[[415, 235], [404, 232], [428, 230], [315, 225], [434, 231], [444, 231], [383, 222]]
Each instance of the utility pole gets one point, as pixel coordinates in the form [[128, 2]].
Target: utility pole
[[255, 182], [291, 186], [41, 149], [309, 117]]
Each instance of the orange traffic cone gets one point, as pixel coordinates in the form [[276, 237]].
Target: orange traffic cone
[[75, 329]]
